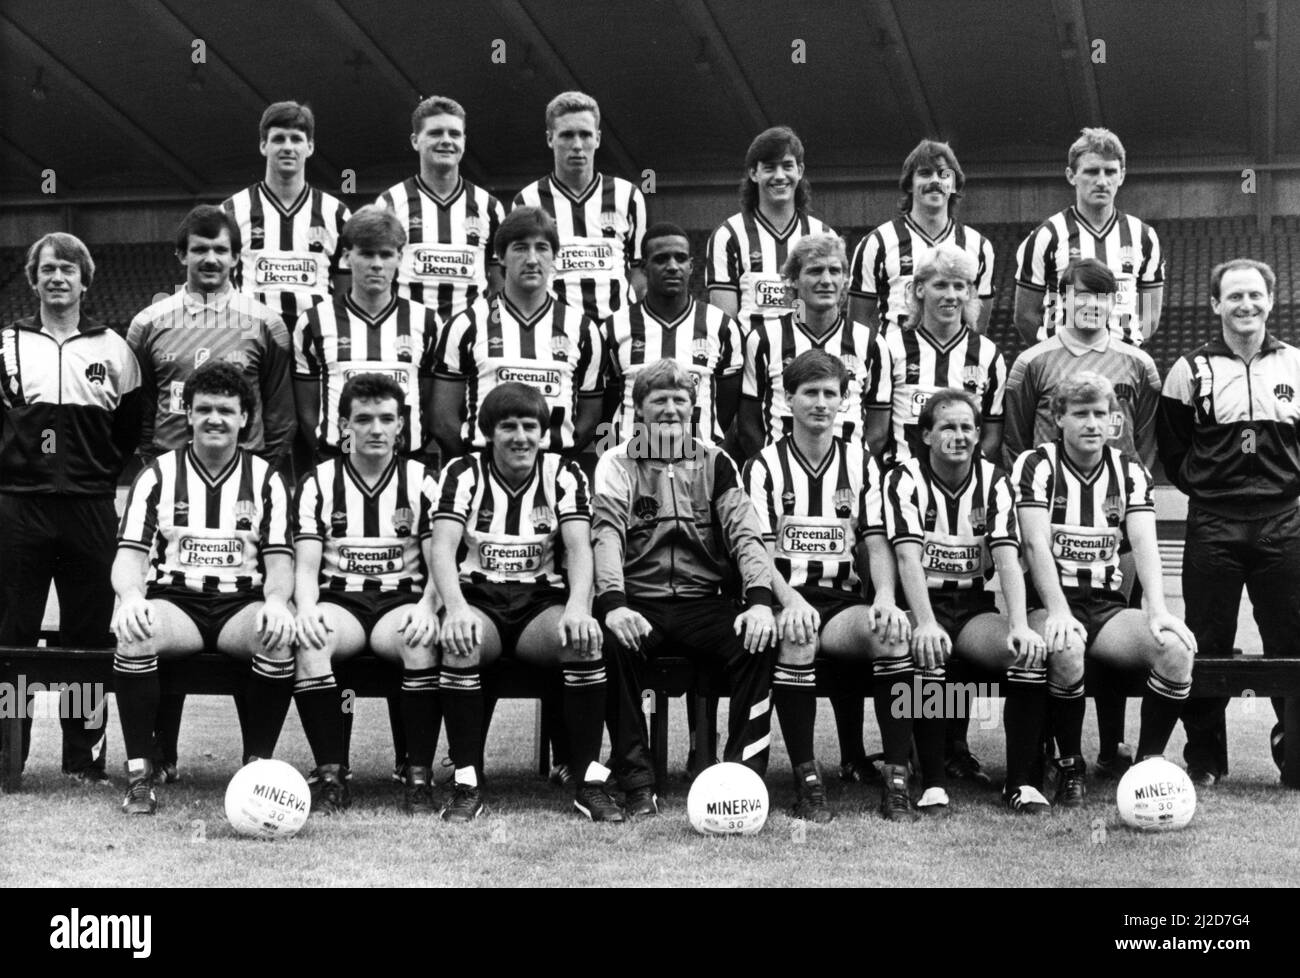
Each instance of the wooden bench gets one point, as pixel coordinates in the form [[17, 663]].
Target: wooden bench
[[214, 674]]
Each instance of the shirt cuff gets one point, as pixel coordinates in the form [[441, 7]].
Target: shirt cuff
[[759, 595], [607, 601]]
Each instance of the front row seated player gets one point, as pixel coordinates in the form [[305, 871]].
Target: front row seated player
[[361, 521], [1075, 498], [818, 500], [511, 558], [208, 525], [670, 514], [951, 519]]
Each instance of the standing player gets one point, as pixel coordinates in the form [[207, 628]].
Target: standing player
[[1092, 228], [940, 350], [447, 260], [361, 521], [1075, 497], [884, 261], [292, 232], [1243, 524], [952, 522], [815, 272], [748, 251], [524, 335], [209, 320], [671, 324], [512, 560], [819, 506], [367, 329], [600, 218], [204, 562], [671, 520], [62, 373]]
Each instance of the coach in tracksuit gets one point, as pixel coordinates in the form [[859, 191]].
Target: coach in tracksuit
[[669, 516], [69, 420], [1227, 434]]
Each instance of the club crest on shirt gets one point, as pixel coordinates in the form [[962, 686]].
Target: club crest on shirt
[[403, 518], [97, 373], [543, 519], [700, 352], [1284, 392], [843, 500], [645, 507], [852, 363], [979, 521], [475, 227], [973, 379], [1127, 257], [404, 345], [561, 347], [612, 222], [1113, 510], [245, 512], [317, 239]]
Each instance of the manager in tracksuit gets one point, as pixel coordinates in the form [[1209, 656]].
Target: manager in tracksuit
[[1227, 435], [69, 420], [669, 515]]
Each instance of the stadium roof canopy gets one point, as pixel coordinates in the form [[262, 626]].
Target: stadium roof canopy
[[113, 96]]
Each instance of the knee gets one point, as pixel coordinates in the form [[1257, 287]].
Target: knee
[[793, 653], [419, 657], [1174, 660], [1066, 668], [310, 662]]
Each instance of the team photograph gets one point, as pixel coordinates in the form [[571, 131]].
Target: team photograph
[[517, 444]]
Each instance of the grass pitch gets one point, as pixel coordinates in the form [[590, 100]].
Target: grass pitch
[[1245, 832]]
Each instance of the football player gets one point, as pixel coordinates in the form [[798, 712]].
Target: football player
[[940, 350], [512, 561], [1075, 497], [819, 506], [208, 320], [749, 250], [601, 218], [672, 324], [526, 335], [671, 517], [292, 232], [61, 371], [204, 561], [951, 520], [1243, 525], [447, 258], [1093, 227], [883, 261], [361, 523]]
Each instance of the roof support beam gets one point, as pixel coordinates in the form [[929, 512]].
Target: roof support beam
[[700, 20], [1261, 87], [1076, 55], [902, 68]]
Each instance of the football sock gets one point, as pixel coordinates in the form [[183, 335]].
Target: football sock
[[135, 681], [461, 692], [267, 703], [421, 715], [1111, 707], [1162, 703], [584, 711], [928, 729], [1026, 709], [794, 694], [171, 706], [895, 731], [850, 714], [397, 727], [1065, 706], [320, 707], [955, 731]]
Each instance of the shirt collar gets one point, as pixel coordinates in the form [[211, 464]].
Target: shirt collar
[[196, 301], [1079, 349]]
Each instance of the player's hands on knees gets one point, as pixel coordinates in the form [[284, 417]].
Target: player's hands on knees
[[133, 620], [628, 626], [890, 623], [756, 627], [1060, 629], [461, 631], [1168, 623], [580, 631], [1028, 647], [931, 645], [798, 622], [419, 625], [275, 624], [310, 626]]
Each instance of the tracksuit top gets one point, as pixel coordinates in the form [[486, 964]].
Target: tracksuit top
[[1227, 430], [69, 412]]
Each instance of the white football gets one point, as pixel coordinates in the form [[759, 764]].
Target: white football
[[267, 800], [727, 799], [1156, 796]]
